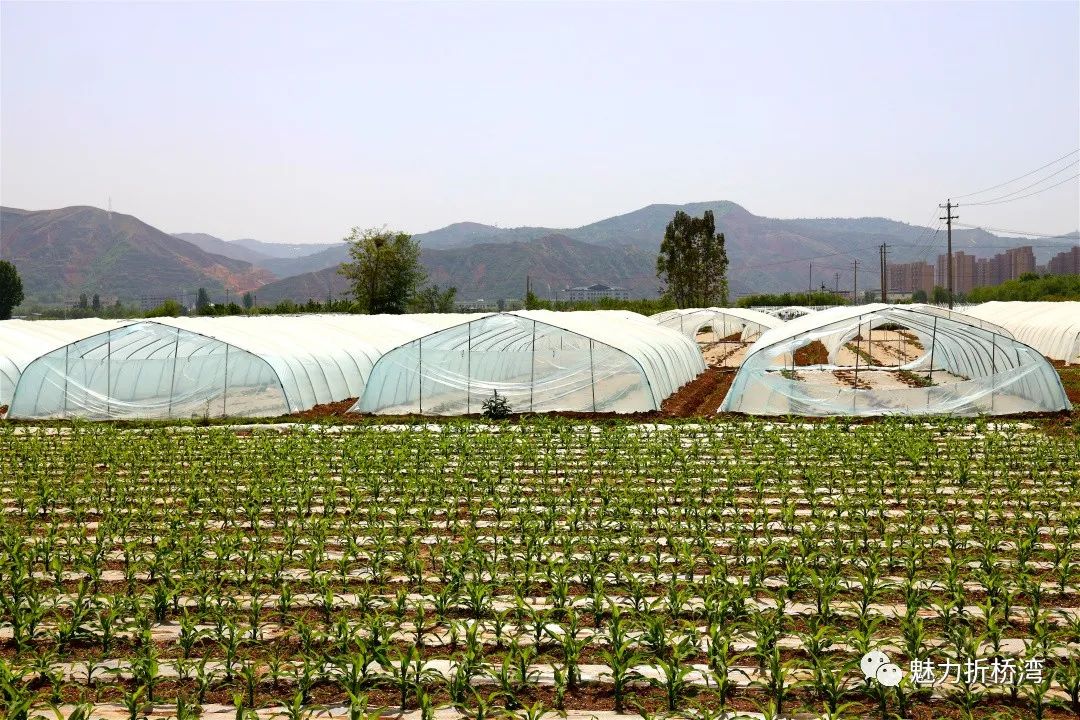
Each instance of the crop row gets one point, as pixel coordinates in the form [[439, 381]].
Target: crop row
[[726, 566]]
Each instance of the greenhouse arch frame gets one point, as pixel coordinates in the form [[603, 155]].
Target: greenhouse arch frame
[[606, 361], [748, 322], [979, 371], [111, 375]]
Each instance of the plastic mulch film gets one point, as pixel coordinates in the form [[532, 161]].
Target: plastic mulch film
[[967, 370]]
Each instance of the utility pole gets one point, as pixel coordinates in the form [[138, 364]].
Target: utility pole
[[883, 251], [949, 217], [855, 284], [837, 291], [810, 286]]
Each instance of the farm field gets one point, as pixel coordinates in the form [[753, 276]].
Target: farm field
[[710, 570]]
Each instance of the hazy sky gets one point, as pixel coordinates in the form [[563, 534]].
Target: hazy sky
[[295, 121]]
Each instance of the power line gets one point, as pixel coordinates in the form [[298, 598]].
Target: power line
[[993, 201], [1019, 232], [861, 271], [927, 246], [1037, 192], [1007, 182], [792, 260]]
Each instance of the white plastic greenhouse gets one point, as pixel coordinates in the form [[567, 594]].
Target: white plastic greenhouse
[[1052, 328], [942, 366], [207, 366], [961, 315], [606, 361], [22, 341], [724, 322]]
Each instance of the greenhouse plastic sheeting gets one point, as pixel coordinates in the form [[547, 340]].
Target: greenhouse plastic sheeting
[[725, 322], [604, 361], [960, 314], [1052, 328], [793, 311], [993, 374], [148, 370], [22, 341], [214, 366]]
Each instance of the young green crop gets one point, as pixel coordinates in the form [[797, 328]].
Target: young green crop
[[739, 564]]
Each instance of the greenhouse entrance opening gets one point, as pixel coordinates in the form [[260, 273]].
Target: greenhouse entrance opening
[[723, 334]]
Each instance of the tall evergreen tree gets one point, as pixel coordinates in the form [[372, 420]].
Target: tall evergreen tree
[[11, 289], [693, 262], [202, 301]]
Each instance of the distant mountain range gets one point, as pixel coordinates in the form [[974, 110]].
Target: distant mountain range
[[64, 252], [498, 270]]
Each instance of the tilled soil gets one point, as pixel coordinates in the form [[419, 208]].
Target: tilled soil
[[812, 354], [702, 396]]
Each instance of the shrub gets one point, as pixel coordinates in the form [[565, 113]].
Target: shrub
[[496, 407]]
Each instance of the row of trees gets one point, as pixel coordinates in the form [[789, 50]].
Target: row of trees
[[1031, 286], [781, 299]]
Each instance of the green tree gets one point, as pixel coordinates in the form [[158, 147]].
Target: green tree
[[385, 269], [1030, 286], [96, 303], [202, 302], [84, 302], [11, 289], [781, 299], [919, 296], [248, 300], [692, 262], [433, 300], [940, 295], [169, 308], [532, 302]]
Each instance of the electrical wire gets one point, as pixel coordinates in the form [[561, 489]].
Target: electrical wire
[[1001, 198], [1009, 182], [1037, 192], [792, 260], [1046, 236]]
